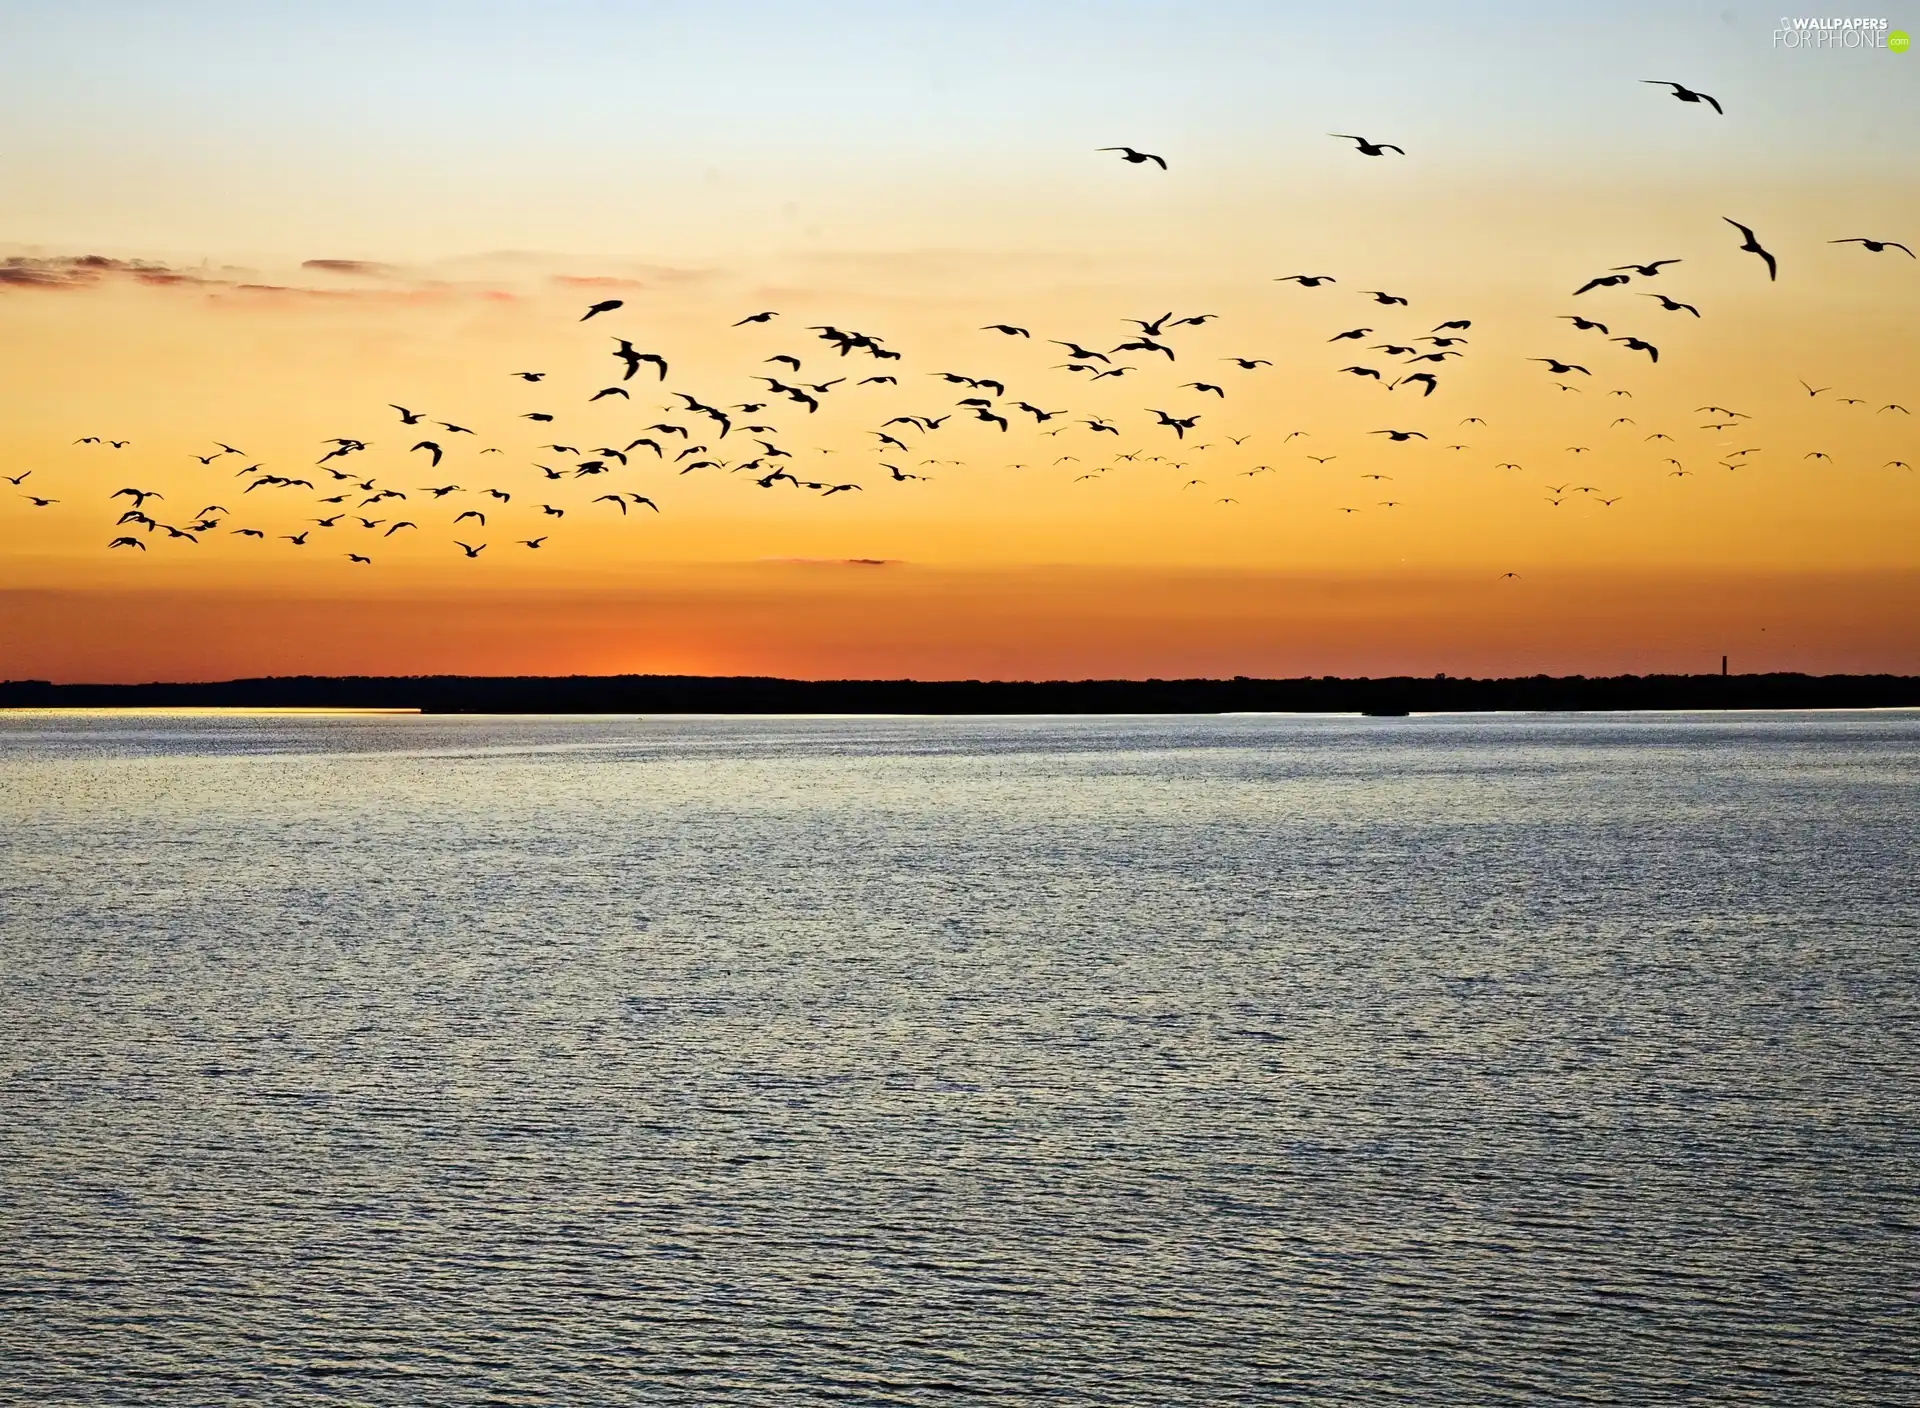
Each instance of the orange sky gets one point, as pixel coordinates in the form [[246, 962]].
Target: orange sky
[[1232, 552]]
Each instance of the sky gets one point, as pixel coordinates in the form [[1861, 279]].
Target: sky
[[267, 225]]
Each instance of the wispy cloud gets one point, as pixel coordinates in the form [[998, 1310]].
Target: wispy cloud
[[362, 268], [390, 283], [833, 561], [83, 271]]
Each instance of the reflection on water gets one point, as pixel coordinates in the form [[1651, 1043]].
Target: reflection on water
[[1439, 1061]]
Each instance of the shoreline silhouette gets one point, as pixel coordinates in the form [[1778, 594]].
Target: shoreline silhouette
[[746, 694]]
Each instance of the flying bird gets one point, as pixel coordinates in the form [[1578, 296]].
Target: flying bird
[[757, 318], [1385, 298], [1365, 147], [1876, 246], [607, 306], [1673, 305], [1685, 94], [1008, 328], [1584, 324], [1647, 271], [1635, 344], [626, 353], [1752, 246], [1129, 155], [1307, 280], [1074, 349], [1603, 281]]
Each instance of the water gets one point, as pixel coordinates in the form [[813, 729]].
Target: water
[[1429, 1061]]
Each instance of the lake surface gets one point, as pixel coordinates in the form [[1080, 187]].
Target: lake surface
[[1508, 1060]]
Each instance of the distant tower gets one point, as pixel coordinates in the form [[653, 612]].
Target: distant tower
[[1723, 667]]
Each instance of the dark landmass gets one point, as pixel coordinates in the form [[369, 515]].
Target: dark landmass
[[694, 694]]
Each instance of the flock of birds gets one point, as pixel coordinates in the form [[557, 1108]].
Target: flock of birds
[[756, 438]]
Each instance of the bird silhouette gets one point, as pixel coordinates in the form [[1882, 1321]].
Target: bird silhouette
[[1129, 155], [1875, 246], [1307, 280], [1752, 246], [1074, 349], [757, 318], [626, 353], [606, 306], [1684, 93], [1673, 305], [1603, 281], [1365, 147]]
